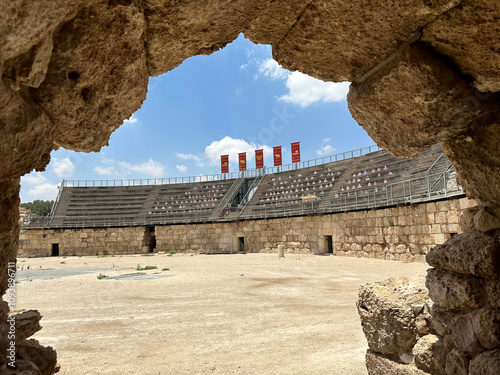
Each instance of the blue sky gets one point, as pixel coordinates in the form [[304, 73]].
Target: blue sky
[[235, 100]]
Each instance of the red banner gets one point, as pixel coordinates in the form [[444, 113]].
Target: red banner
[[296, 152], [242, 161], [277, 155], [259, 159], [224, 164]]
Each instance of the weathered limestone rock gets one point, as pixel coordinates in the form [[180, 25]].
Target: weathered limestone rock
[[9, 227], [487, 363], [471, 252], [81, 90], [388, 310], [457, 363], [468, 34], [418, 91], [190, 28], [467, 218], [484, 221], [27, 324], [476, 331], [493, 293], [27, 134], [476, 156], [430, 355], [30, 68], [357, 35], [24, 25], [377, 364], [455, 291], [31, 357], [44, 358]]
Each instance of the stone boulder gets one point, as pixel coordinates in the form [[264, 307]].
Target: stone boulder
[[471, 252], [388, 312]]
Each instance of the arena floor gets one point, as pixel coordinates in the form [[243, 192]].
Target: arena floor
[[207, 314]]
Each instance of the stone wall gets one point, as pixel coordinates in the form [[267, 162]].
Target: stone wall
[[400, 233], [98, 241], [453, 325]]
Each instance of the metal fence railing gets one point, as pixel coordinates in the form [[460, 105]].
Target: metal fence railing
[[416, 190], [249, 173]]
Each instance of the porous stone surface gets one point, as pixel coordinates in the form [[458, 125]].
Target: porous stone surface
[[485, 221], [98, 65], [366, 33], [430, 102], [388, 310], [467, 218], [73, 70], [471, 252], [44, 358], [470, 47], [454, 290], [9, 227], [487, 363], [31, 357], [27, 324], [378, 364], [476, 155], [430, 355], [457, 363], [476, 331]]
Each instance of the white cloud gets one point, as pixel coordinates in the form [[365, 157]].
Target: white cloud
[[181, 168], [131, 120], [34, 178], [105, 171], [151, 168], [63, 167], [305, 90], [325, 150], [231, 146], [197, 159], [326, 140], [269, 68], [45, 191]]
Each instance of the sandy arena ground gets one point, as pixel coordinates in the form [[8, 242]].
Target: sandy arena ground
[[207, 314]]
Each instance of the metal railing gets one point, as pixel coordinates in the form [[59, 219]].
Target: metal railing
[[416, 190], [231, 193], [251, 190], [59, 193], [249, 173]]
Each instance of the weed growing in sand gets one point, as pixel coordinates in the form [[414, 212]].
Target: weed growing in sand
[[101, 276], [147, 255], [139, 268], [165, 269], [172, 252]]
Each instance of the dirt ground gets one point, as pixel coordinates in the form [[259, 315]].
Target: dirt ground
[[206, 314]]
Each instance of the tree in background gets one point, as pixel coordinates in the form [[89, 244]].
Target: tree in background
[[38, 207]]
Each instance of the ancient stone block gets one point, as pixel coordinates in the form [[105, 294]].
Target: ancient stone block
[[378, 364], [454, 290], [487, 363], [476, 331], [457, 363], [44, 358], [366, 33], [485, 221], [430, 355], [470, 252], [388, 311], [415, 90], [469, 47]]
